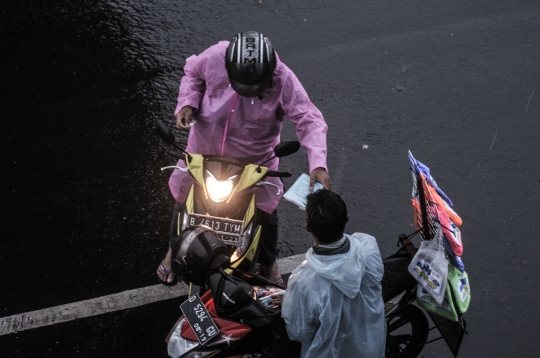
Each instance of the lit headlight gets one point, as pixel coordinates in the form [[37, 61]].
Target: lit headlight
[[218, 190]]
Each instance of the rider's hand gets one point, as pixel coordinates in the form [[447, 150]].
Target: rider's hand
[[183, 118], [320, 175]]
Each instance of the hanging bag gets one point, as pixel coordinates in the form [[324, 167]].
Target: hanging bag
[[444, 309], [430, 267], [460, 287], [454, 259], [456, 298], [451, 233]]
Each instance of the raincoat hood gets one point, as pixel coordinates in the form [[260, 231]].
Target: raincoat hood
[[345, 271]]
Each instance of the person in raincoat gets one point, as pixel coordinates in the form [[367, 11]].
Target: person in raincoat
[[233, 98], [333, 304]]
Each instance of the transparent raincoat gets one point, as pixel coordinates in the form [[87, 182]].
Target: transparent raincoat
[[333, 304]]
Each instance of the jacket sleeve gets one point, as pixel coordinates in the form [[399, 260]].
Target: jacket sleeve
[[301, 314], [193, 83], [311, 128]]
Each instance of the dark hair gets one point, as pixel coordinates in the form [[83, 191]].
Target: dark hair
[[326, 216]]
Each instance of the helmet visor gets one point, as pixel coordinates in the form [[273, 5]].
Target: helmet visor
[[245, 90], [250, 80]]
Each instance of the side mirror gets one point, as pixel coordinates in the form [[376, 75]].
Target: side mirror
[[286, 148], [164, 132]]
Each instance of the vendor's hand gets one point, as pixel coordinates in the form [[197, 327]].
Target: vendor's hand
[[320, 175], [183, 118], [277, 300]]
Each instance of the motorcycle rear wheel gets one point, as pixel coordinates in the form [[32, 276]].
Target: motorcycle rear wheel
[[407, 332]]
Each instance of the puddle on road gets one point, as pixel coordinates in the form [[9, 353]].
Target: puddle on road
[[88, 208]]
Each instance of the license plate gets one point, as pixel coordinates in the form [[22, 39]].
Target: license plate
[[229, 230], [230, 240], [199, 319]]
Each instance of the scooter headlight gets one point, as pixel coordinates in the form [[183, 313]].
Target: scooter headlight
[[218, 191]]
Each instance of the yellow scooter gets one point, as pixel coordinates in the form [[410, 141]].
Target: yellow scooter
[[222, 200]]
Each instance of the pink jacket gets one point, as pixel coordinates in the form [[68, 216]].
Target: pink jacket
[[230, 125]]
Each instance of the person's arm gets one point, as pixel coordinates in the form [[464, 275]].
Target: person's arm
[[300, 312], [311, 128], [193, 83]]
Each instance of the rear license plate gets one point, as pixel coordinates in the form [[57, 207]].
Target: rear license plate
[[199, 319], [229, 230]]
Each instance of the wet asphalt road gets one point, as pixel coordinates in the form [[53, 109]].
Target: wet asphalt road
[[85, 209]]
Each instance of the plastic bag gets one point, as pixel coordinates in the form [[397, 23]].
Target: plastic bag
[[421, 169], [430, 267], [433, 196], [456, 298], [460, 287], [454, 259], [451, 233], [444, 309]]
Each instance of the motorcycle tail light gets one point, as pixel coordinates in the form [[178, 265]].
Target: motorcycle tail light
[[177, 345]]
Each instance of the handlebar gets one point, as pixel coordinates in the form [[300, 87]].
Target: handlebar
[[272, 173], [175, 154]]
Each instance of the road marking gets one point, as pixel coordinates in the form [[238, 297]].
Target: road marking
[[107, 304]]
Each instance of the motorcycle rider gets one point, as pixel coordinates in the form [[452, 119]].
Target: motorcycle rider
[[233, 97], [333, 304]]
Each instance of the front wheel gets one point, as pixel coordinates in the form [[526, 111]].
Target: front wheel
[[407, 332]]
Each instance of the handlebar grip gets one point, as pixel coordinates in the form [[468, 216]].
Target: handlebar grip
[[272, 173], [174, 154]]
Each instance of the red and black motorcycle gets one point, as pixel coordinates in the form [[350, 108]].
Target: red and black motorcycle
[[259, 331]]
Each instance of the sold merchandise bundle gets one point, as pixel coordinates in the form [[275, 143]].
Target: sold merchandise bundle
[[443, 285]]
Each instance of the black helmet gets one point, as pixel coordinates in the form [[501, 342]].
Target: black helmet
[[250, 63], [196, 252]]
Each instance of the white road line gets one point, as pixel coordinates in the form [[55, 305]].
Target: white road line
[[107, 304]]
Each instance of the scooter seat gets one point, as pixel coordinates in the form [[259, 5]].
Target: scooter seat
[[396, 278]]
